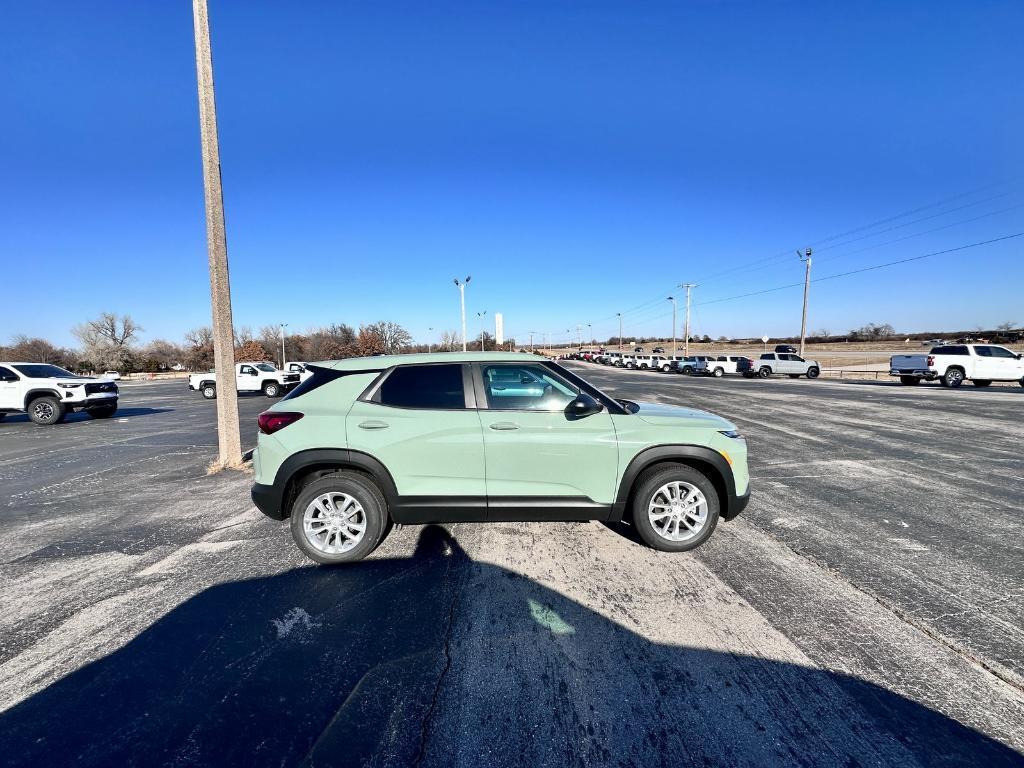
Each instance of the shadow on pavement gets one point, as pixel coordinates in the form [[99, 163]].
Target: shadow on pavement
[[122, 413], [345, 667]]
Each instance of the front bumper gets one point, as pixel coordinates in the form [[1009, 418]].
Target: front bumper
[[736, 504]]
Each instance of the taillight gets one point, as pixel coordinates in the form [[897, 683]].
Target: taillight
[[272, 421], [931, 360]]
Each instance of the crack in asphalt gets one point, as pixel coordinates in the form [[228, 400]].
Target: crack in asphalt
[[428, 718]]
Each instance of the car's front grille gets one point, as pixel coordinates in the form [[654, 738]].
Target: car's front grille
[[103, 386], [292, 377]]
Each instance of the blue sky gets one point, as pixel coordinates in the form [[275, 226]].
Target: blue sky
[[578, 159]]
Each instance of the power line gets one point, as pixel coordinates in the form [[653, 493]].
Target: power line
[[865, 269]]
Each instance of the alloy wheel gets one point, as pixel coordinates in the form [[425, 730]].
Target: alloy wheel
[[678, 511], [334, 522]]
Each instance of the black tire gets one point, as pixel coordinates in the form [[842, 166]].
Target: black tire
[[666, 368], [910, 381], [46, 411], [209, 391], [272, 389], [764, 372], [365, 492], [981, 382], [718, 373], [102, 412], [813, 373], [686, 370], [953, 378], [648, 484]]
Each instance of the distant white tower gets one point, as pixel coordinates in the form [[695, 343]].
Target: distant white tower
[[499, 329]]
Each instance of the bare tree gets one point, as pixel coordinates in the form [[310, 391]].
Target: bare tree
[[108, 340], [393, 337], [36, 350], [199, 352], [450, 341], [1006, 327]]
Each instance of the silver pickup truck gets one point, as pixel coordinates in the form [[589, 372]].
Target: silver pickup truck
[[786, 363]]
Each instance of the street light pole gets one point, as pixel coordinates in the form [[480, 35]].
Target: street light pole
[[620, 330], [686, 341], [531, 341], [229, 438], [430, 331], [590, 332], [806, 258], [283, 326], [673, 300], [481, 316], [462, 305]]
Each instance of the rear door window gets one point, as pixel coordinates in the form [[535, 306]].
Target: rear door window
[[433, 387]]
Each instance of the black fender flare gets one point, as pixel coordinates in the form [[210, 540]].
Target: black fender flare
[[707, 460], [275, 500], [32, 394]]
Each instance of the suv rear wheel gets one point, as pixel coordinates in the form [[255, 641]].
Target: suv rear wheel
[[209, 391], [46, 410], [339, 518], [675, 508]]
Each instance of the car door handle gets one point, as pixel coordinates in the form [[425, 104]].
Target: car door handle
[[373, 425], [504, 426]]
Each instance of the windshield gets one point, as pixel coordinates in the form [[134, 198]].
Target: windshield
[[266, 367], [44, 371]]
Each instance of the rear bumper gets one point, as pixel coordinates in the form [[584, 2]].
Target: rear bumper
[[267, 499], [923, 373]]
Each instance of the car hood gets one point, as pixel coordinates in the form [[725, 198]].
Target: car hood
[[668, 415]]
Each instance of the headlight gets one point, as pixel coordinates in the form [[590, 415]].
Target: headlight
[[731, 433], [69, 386]]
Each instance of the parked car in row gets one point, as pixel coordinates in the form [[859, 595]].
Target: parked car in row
[[719, 366], [771, 363], [48, 393], [367, 442], [954, 364], [249, 377]]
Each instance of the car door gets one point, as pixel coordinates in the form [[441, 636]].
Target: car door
[[247, 379], [420, 422], [542, 464], [999, 365], [10, 389]]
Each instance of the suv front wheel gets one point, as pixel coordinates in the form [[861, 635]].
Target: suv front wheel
[[675, 508], [339, 518]]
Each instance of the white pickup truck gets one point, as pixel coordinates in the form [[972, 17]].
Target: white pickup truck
[[49, 393], [717, 367], [249, 377], [302, 369], [953, 364]]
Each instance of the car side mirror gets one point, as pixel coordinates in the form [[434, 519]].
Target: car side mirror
[[584, 405], [12, 377]]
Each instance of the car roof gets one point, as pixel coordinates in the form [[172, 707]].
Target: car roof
[[379, 362]]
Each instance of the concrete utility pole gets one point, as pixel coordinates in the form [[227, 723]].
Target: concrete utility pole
[[283, 361], [620, 330], [686, 340], [805, 257], [462, 303], [229, 439], [673, 300]]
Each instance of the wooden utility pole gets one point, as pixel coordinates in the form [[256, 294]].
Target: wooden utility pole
[[229, 438]]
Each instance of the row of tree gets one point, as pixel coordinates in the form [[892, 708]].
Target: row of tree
[[111, 342]]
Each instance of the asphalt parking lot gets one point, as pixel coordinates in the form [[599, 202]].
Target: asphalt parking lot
[[866, 609]]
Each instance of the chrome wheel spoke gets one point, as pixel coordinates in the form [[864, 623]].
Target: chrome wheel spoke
[[678, 511], [334, 522]]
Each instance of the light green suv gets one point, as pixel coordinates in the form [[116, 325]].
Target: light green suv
[[486, 437]]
